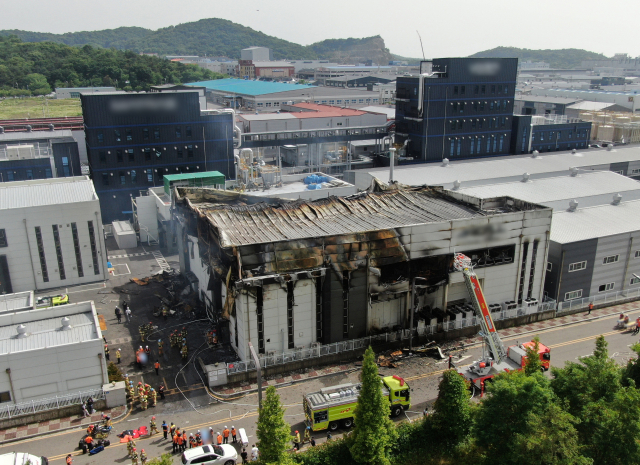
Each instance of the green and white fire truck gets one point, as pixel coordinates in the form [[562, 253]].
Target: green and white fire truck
[[333, 406]]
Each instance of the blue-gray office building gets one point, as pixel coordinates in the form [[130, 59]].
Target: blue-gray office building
[[133, 140], [457, 108]]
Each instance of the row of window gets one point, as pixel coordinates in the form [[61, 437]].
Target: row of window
[[572, 295], [557, 135], [482, 89], [493, 105], [150, 153], [577, 266], [127, 134], [493, 144], [136, 176], [324, 102], [478, 123]]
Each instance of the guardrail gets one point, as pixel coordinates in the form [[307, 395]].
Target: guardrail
[[52, 403], [303, 353], [604, 298]]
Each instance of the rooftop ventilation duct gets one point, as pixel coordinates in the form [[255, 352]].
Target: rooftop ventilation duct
[[535, 154], [574, 171], [66, 324], [22, 331], [52, 127], [445, 162], [573, 205], [456, 184], [29, 128], [392, 161], [609, 147], [616, 199], [525, 177], [573, 151]]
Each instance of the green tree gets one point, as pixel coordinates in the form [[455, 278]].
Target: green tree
[[631, 373], [164, 459], [504, 413], [38, 84], [451, 420], [592, 378], [114, 372], [533, 363], [374, 432], [273, 432], [550, 438]]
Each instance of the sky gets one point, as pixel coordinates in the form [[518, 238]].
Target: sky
[[448, 28]]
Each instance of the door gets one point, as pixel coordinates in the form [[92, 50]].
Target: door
[[5, 278]]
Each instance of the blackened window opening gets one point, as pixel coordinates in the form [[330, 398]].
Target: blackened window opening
[[345, 305], [260, 317], [76, 246], [290, 304], [525, 250], [318, 309], [43, 262], [56, 241], [532, 269], [94, 249]]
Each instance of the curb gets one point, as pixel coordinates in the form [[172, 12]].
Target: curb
[[295, 381], [46, 433]]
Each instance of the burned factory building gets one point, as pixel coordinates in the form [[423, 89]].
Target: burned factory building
[[288, 275]]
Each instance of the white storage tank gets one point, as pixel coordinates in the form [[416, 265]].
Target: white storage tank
[[124, 235]]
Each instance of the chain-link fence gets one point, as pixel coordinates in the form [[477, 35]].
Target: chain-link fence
[[51, 403]]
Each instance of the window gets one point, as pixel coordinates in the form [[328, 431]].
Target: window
[[78, 250], [455, 90], [145, 134], [549, 266], [493, 88], [461, 107], [501, 142], [482, 106], [472, 146], [490, 105], [102, 156], [268, 104], [149, 175], [131, 155], [43, 263], [476, 89], [179, 153], [5, 396], [178, 132], [462, 90], [577, 266], [3, 238], [147, 153], [480, 123], [478, 146], [460, 121], [259, 104], [134, 176], [47, 173], [634, 280], [10, 176], [483, 89], [119, 156], [94, 249], [160, 174], [361, 100], [506, 89], [100, 138], [488, 145], [123, 178], [189, 151], [610, 259], [452, 125], [65, 166], [451, 148], [128, 135], [504, 104], [156, 133], [339, 101], [636, 254], [573, 295], [116, 134], [56, 241], [459, 145], [606, 287], [105, 179], [635, 171], [473, 123], [495, 142]]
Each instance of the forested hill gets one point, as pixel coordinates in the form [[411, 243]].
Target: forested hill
[[211, 37], [565, 58], [353, 50], [28, 68]]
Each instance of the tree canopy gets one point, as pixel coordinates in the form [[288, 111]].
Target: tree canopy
[[28, 68]]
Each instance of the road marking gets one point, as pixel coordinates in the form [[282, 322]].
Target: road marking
[[162, 262]]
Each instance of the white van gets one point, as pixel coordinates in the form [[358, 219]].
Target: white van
[[22, 458]]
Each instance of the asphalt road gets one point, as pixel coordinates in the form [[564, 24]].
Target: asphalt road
[[197, 409]]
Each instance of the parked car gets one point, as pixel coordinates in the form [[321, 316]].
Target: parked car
[[210, 455], [22, 458]]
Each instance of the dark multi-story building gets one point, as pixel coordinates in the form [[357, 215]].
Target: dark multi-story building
[[456, 108], [38, 155], [133, 140], [548, 134]]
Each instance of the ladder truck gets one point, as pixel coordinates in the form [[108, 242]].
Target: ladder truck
[[495, 358]]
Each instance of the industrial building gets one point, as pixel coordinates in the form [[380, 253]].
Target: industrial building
[[134, 140], [549, 133], [267, 96], [274, 70], [594, 250], [629, 100], [624, 160], [359, 81], [293, 275], [51, 234], [74, 92], [256, 54], [588, 188], [31, 154], [51, 352], [456, 108], [542, 104]]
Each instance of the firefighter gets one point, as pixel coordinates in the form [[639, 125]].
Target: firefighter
[[210, 337], [108, 423], [142, 329], [147, 390], [183, 333], [152, 426], [90, 430], [296, 441], [118, 355], [184, 352], [172, 429], [192, 441], [143, 457], [161, 391], [307, 435], [153, 398], [165, 312], [134, 457], [140, 388], [143, 402], [233, 434], [131, 446], [106, 352], [172, 339], [637, 328], [160, 348]]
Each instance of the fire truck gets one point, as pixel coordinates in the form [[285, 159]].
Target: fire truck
[[495, 358], [332, 407]]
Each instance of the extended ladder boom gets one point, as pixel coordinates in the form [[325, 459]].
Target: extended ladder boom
[[491, 336]]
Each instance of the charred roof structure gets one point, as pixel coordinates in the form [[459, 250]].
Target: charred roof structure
[[290, 274]]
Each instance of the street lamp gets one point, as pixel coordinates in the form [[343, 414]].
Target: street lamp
[[413, 293]]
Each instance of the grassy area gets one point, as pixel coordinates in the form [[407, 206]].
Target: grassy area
[[39, 107]]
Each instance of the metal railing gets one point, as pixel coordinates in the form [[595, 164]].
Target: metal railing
[[318, 350], [51, 403], [604, 298]]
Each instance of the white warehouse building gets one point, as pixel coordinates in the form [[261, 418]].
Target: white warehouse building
[[51, 234], [55, 351]]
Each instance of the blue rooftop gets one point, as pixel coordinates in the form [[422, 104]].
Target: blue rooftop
[[241, 86]]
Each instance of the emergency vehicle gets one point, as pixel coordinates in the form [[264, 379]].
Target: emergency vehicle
[[495, 358], [333, 406], [52, 300]]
